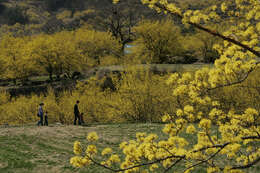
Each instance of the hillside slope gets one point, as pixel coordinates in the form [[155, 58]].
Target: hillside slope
[[54, 15], [33, 149]]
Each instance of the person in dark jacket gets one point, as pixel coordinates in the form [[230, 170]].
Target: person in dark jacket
[[76, 113], [40, 114]]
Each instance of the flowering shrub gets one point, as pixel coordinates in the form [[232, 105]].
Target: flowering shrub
[[139, 97], [227, 138]]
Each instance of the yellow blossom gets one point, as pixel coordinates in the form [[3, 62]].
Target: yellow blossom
[[153, 167], [191, 129], [77, 148], [205, 124], [106, 151], [114, 158], [92, 136], [91, 149]]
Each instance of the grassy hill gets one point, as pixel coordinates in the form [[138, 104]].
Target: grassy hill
[[38, 149], [32, 149]]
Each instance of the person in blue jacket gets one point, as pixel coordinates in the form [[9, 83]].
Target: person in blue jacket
[[40, 114]]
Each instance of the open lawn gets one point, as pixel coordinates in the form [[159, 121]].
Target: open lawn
[[31, 149], [49, 149]]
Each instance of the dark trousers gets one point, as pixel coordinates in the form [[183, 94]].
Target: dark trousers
[[77, 117], [41, 121], [46, 120]]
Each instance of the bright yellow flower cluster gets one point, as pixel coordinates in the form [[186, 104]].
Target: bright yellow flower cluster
[[191, 129], [205, 124], [106, 151], [77, 149], [80, 162], [92, 137], [91, 150]]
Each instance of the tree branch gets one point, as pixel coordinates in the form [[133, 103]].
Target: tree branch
[[175, 163], [203, 161], [220, 146], [136, 166], [237, 82], [248, 165], [214, 33]]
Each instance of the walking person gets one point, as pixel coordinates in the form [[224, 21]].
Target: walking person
[[76, 113], [40, 114], [46, 118]]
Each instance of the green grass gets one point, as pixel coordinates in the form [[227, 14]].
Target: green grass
[[31, 149], [37, 149]]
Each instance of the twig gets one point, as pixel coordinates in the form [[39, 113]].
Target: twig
[[175, 163], [214, 33], [136, 166], [248, 165], [203, 161]]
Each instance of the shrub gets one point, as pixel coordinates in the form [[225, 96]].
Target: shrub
[[227, 139], [156, 42], [16, 15]]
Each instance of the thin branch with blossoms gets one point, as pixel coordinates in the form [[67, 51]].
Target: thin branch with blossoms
[[214, 33], [135, 166], [203, 161]]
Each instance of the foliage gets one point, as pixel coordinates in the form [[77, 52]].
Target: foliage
[[96, 46], [119, 20], [15, 57], [139, 97], [5, 97], [164, 42], [19, 30], [157, 41], [227, 139], [143, 96], [135, 100], [20, 111], [57, 54], [2, 8], [15, 15], [55, 5], [241, 96], [201, 46]]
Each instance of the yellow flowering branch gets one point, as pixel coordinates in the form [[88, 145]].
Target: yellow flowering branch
[[204, 161], [214, 33], [175, 163], [248, 165], [136, 166], [93, 137], [238, 81], [104, 166]]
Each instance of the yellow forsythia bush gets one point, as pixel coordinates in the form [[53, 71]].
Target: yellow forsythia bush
[[20, 110], [140, 96], [241, 96]]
